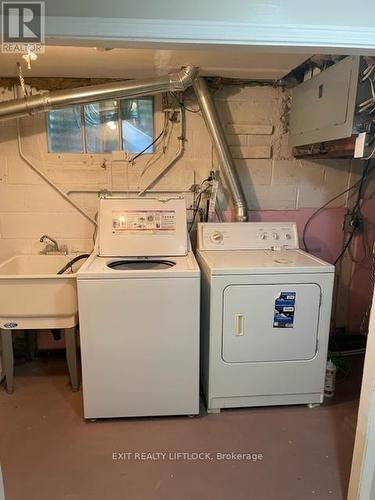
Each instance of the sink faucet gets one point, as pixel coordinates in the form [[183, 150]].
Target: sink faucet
[[50, 241]]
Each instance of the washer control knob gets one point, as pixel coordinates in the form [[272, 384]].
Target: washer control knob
[[288, 236], [262, 236], [275, 236], [217, 237]]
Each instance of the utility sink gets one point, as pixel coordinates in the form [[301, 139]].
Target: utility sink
[[33, 295]]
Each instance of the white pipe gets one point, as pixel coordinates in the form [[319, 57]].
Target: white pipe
[[177, 156], [131, 191], [45, 177], [48, 181]]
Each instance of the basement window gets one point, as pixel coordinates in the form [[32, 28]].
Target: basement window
[[102, 127]]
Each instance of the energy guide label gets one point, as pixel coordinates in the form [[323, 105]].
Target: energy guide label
[[284, 311], [145, 221]]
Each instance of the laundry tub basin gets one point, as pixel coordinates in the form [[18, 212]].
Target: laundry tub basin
[[33, 295]]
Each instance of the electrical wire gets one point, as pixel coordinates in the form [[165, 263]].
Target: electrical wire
[[345, 247], [183, 105], [199, 198], [360, 183], [366, 245], [319, 210], [146, 148], [164, 145], [368, 105], [356, 210]]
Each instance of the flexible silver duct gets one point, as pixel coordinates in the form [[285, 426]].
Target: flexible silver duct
[[174, 82], [218, 138]]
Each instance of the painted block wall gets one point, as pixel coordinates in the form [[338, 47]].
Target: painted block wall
[[255, 122]]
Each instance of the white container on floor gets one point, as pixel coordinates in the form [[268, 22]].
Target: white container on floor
[[330, 381]]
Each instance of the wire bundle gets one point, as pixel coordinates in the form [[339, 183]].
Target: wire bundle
[[368, 105], [356, 210]]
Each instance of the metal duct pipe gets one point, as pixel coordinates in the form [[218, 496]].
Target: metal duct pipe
[[174, 82], [26, 106], [213, 124]]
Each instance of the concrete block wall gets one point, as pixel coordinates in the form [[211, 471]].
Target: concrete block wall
[[254, 118], [257, 115]]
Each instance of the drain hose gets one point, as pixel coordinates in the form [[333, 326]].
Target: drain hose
[[73, 261], [56, 332]]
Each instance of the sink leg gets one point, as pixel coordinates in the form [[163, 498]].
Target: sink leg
[[8, 358], [71, 356], [30, 336]]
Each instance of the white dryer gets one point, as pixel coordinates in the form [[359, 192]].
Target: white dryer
[[138, 297], [265, 321]]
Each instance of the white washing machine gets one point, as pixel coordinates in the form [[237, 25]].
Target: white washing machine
[[266, 308], [139, 296]]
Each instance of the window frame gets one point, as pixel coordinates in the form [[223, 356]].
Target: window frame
[[156, 122]]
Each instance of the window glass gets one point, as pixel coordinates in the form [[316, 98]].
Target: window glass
[[101, 126], [137, 124], [65, 130]]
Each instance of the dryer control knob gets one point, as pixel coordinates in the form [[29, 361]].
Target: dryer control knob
[[217, 237], [288, 236], [275, 236], [262, 236]]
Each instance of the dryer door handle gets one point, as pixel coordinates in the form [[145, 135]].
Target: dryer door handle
[[239, 327]]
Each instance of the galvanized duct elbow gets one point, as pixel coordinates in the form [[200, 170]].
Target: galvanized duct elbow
[[183, 79], [216, 131], [30, 105]]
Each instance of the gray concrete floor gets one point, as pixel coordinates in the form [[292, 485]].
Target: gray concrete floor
[[48, 452]]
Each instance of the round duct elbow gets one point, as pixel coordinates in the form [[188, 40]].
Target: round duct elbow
[[184, 78]]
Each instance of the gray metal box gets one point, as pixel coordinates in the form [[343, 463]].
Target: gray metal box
[[324, 107]]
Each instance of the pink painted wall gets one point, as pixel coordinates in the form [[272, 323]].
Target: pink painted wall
[[325, 239], [324, 236], [361, 282]]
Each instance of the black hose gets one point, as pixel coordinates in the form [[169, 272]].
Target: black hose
[[56, 334], [73, 261]]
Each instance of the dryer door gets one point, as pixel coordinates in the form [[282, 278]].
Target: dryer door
[[270, 322]]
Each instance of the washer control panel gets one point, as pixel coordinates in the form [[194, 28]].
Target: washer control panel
[[247, 235]]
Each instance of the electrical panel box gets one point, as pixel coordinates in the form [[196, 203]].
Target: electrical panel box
[[326, 107]]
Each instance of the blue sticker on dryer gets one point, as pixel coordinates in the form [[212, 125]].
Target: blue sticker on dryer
[[285, 308]]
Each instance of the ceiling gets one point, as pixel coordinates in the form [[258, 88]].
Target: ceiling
[[89, 62]]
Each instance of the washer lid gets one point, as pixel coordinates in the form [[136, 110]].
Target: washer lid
[[147, 227]]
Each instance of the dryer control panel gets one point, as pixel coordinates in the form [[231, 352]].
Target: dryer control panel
[[247, 235]]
